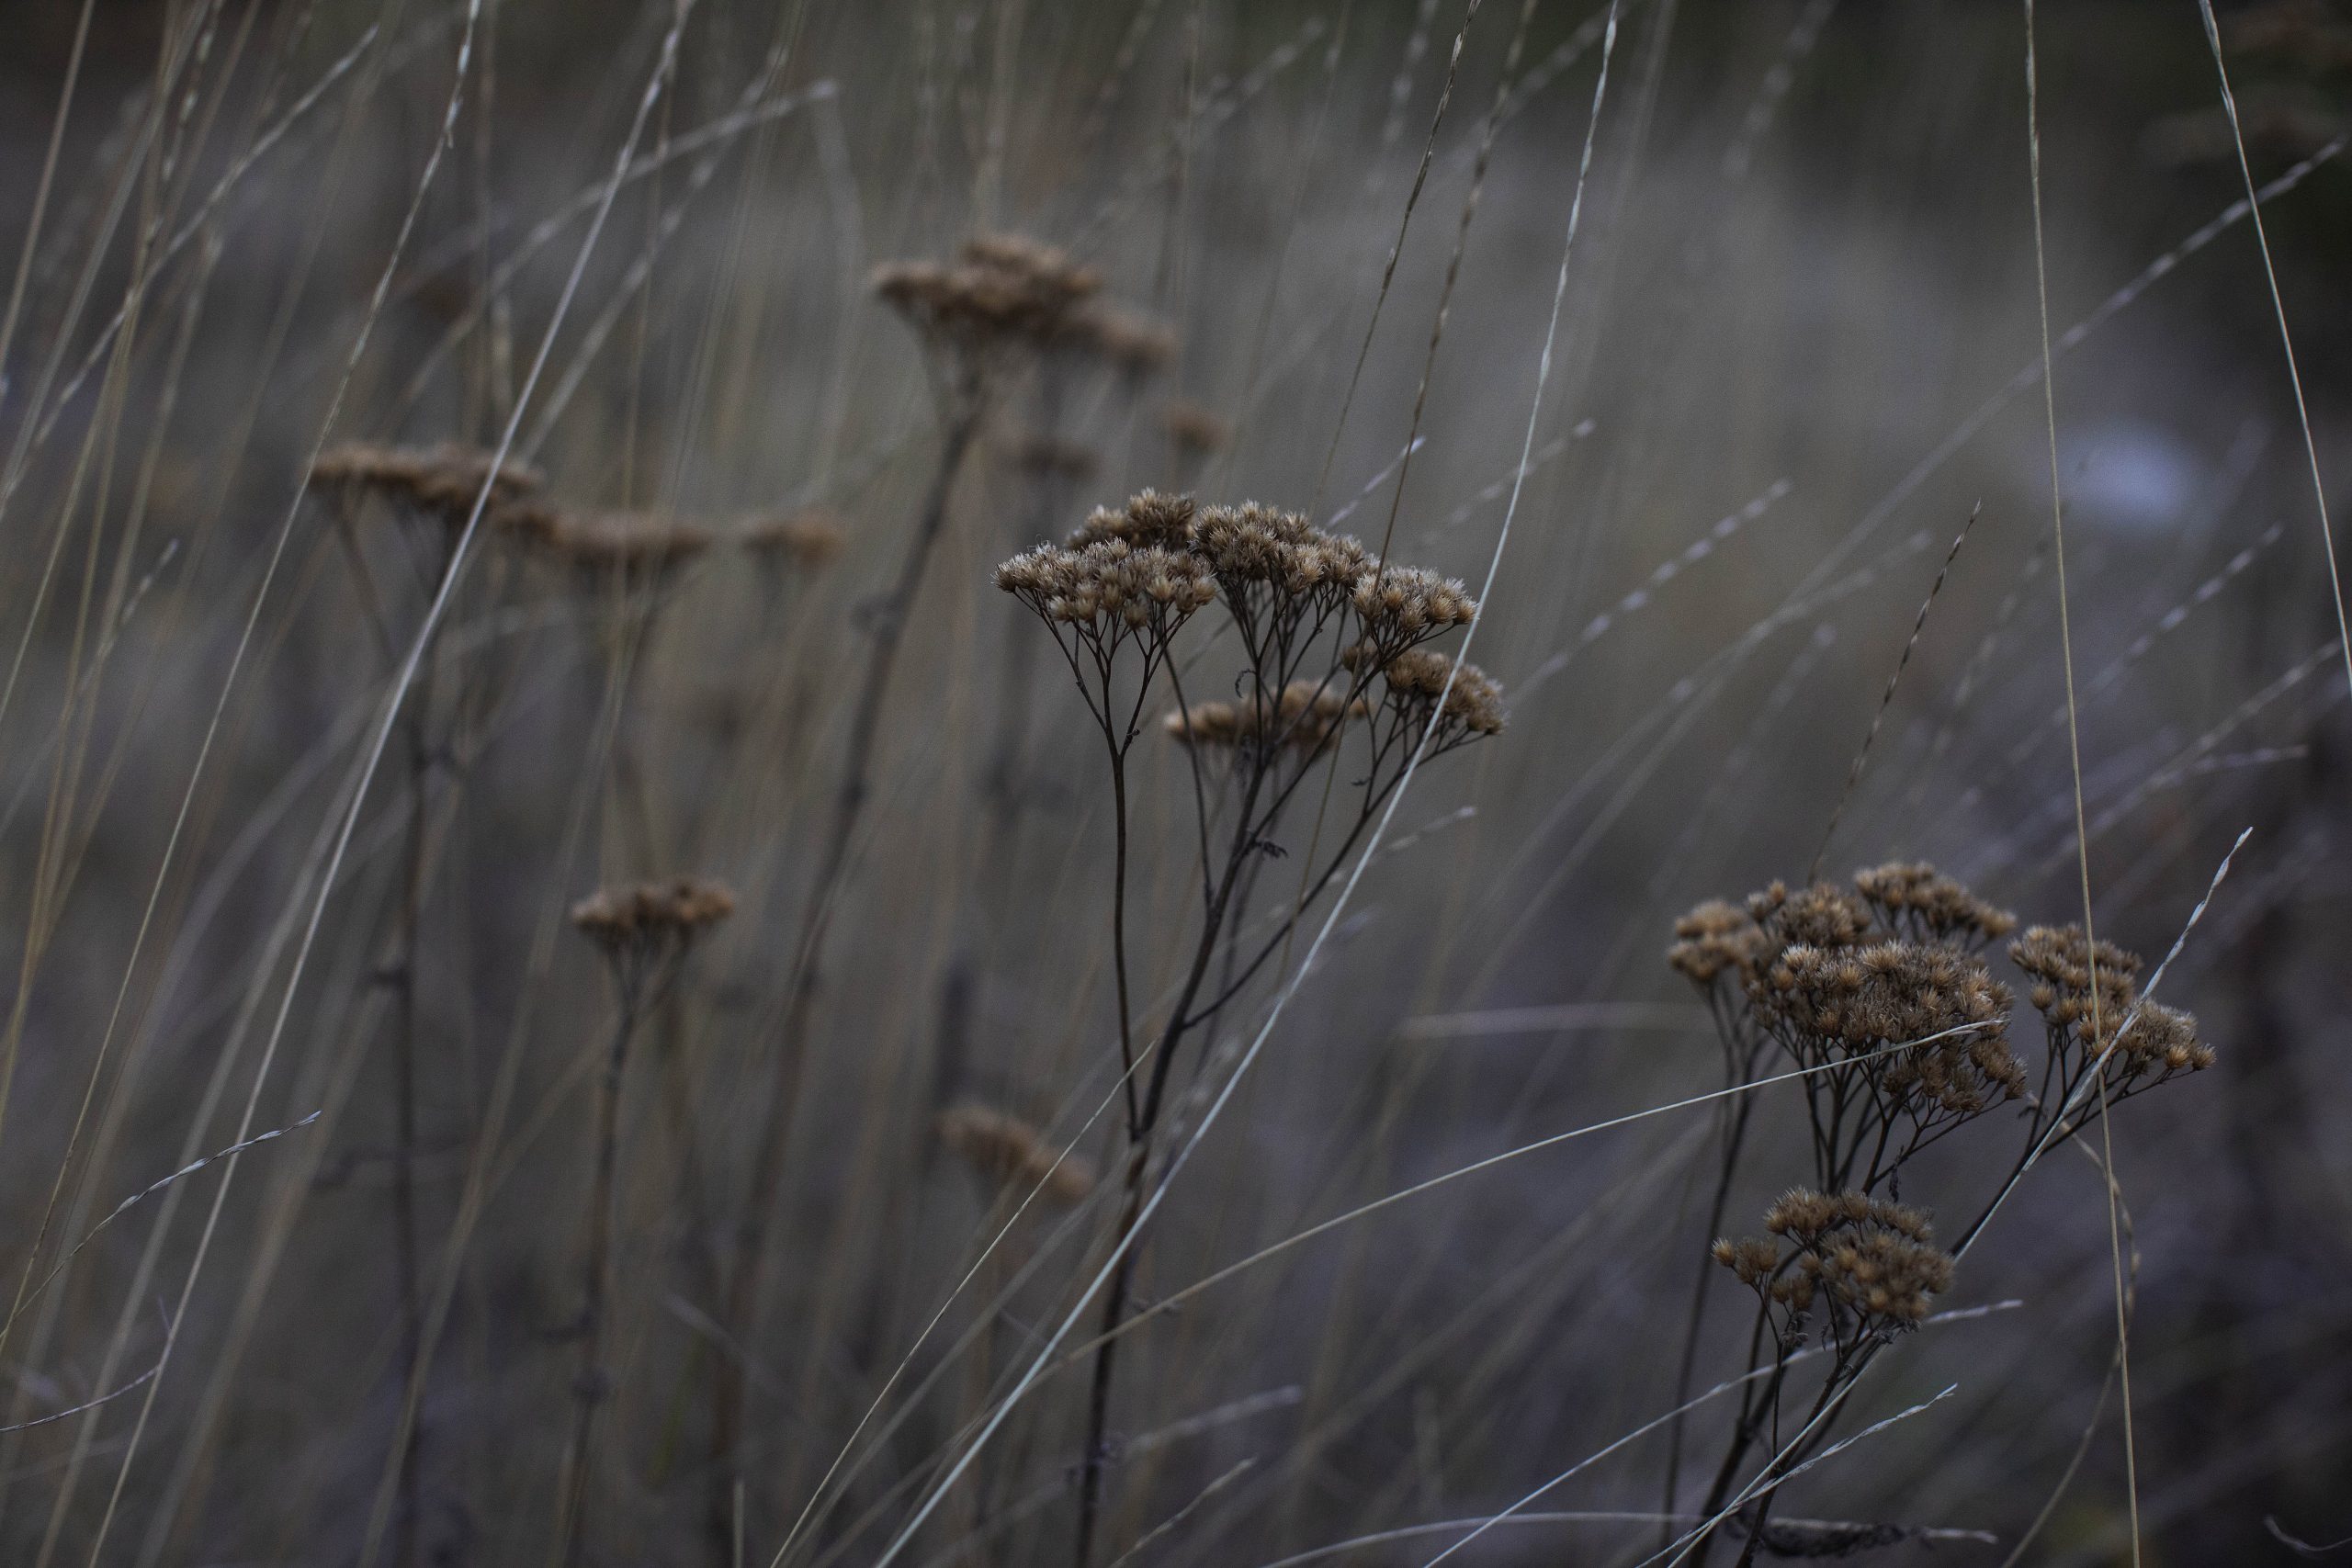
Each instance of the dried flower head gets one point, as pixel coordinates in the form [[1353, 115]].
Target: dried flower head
[[2159, 1043], [1109, 590], [440, 482], [1715, 940], [644, 926], [1128, 340], [1822, 915], [1149, 518], [1926, 1025], [1305, 719], [602, 542], [1403, 606], [1002, 291], [1006, 1149], [1870, 1263], [1253, 548], [1887, 1281], [1916, 900], [806, 540], [2059, 963], [1197, 431], [1806, 1216], [1415, 680]]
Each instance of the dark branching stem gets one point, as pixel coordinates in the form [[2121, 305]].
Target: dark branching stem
[[1262, 795], [1740, 1063], [400, 974], [590, 1387], [889, 628]]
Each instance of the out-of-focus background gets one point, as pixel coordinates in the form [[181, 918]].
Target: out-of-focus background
[[1798, 346]]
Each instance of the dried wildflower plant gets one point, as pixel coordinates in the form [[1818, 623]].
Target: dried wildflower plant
[[644, 931], [1332, 641], [1881, 999]]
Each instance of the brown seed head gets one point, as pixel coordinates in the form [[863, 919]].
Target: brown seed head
[[1109, 589], [1305, 719], [651, 913], [1006, 1149], [808, 540], [605, 541], [1914, 899], [1149, 518], [2060, 962], [1822, 915], [1874, 1261], [441, 482], [1928, 1023], [1716, 938], [1404, 605], [1195, 430], [1000, 290], [1128, 340]]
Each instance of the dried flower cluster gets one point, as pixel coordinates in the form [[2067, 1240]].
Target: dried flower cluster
[[1109, 588], [806, 540], [1307, 718], [1823, 915], [2156, 1041], [1880, 997], [634, 543], [1715, 941], [1870, 1266], [1005, 1149], [1197, 432], [999, 288], [1925, 1025], [1159, 558], [1912, 900], [1299, 599], [441, 483], [1880, 992], [1405, 606], [651, 913], [1423, 683], [1126, 340], [1149, 518]]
